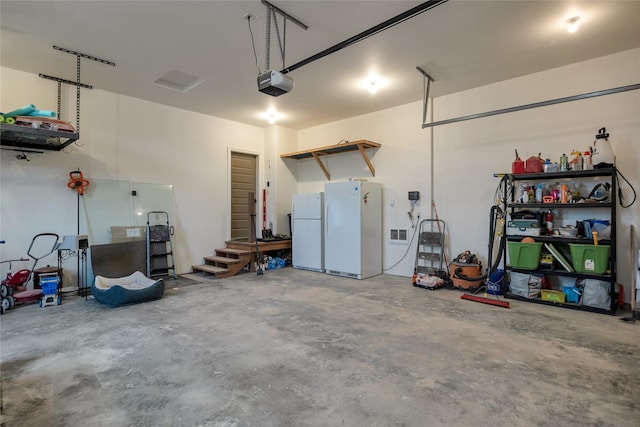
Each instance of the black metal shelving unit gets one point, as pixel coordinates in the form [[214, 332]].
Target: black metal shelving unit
[[608, 209]]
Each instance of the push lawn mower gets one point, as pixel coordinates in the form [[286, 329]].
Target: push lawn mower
[[14, 287]]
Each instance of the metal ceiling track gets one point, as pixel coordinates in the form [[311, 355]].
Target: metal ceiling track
[[533, 105], [367, 33]]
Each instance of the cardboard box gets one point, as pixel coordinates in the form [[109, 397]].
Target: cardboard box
[[129, 233]]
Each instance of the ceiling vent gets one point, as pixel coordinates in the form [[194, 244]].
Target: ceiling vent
[[177, 80]]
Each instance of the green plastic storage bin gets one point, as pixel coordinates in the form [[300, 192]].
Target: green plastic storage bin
[[590, 258], [525, 256]]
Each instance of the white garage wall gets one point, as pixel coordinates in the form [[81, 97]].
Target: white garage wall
[[402, 164], [466, 154], [125, 139], [284, 183], [133, 140]]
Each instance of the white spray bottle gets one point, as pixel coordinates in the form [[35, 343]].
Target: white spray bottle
[[601, 152]]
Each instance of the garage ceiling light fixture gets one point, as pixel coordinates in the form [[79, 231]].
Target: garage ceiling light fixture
[[272, 116], [573, 24], [373, 83]]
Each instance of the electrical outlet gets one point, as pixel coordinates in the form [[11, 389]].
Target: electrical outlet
[[248, 16]]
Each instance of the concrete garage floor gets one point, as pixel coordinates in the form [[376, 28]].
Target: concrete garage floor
[[296, 348]]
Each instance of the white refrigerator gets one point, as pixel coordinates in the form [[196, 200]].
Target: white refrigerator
[[307, 225], [353, 229]]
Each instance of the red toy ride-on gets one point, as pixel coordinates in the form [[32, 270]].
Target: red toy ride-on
[[13, 289]]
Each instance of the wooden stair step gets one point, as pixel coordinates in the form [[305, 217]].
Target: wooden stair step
[[232, 251], [212, 269], [221, 260]]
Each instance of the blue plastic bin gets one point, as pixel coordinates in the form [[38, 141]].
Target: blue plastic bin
[[49, 285], [571, 293]]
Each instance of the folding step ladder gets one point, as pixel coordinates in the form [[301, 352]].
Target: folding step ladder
[[159, 247], [430, 248]]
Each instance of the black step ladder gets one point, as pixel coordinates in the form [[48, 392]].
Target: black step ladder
[[159, 247]]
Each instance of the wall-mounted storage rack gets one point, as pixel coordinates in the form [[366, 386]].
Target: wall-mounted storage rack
[[360, 145], [28, 138], [37, 139]]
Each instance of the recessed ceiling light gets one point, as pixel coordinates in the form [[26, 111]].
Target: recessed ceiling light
[[177, 80], [373, 87], [373, 82], [272, 116], [573, 24]]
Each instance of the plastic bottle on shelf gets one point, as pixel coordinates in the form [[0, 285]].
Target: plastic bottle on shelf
[[577, 191], [549, 221], [577, 161], [564, 163], [587, 165], [555, 192], [580, 162], [523, 194], [539, 193]]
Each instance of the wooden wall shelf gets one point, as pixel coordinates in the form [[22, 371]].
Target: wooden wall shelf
[[360, 145]]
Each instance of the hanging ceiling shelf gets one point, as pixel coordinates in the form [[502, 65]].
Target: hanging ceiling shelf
[[360, 145], [32, 138], [27, 138]]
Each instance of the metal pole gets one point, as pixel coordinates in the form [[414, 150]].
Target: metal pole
[[78, 98], [285, 14], [535, 105], [60, 99], [267, 48], [426, 89]]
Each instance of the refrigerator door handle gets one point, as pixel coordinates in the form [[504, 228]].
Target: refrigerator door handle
[[326, 218]]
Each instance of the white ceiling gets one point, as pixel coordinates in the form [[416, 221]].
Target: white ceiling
[[462, 44]]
